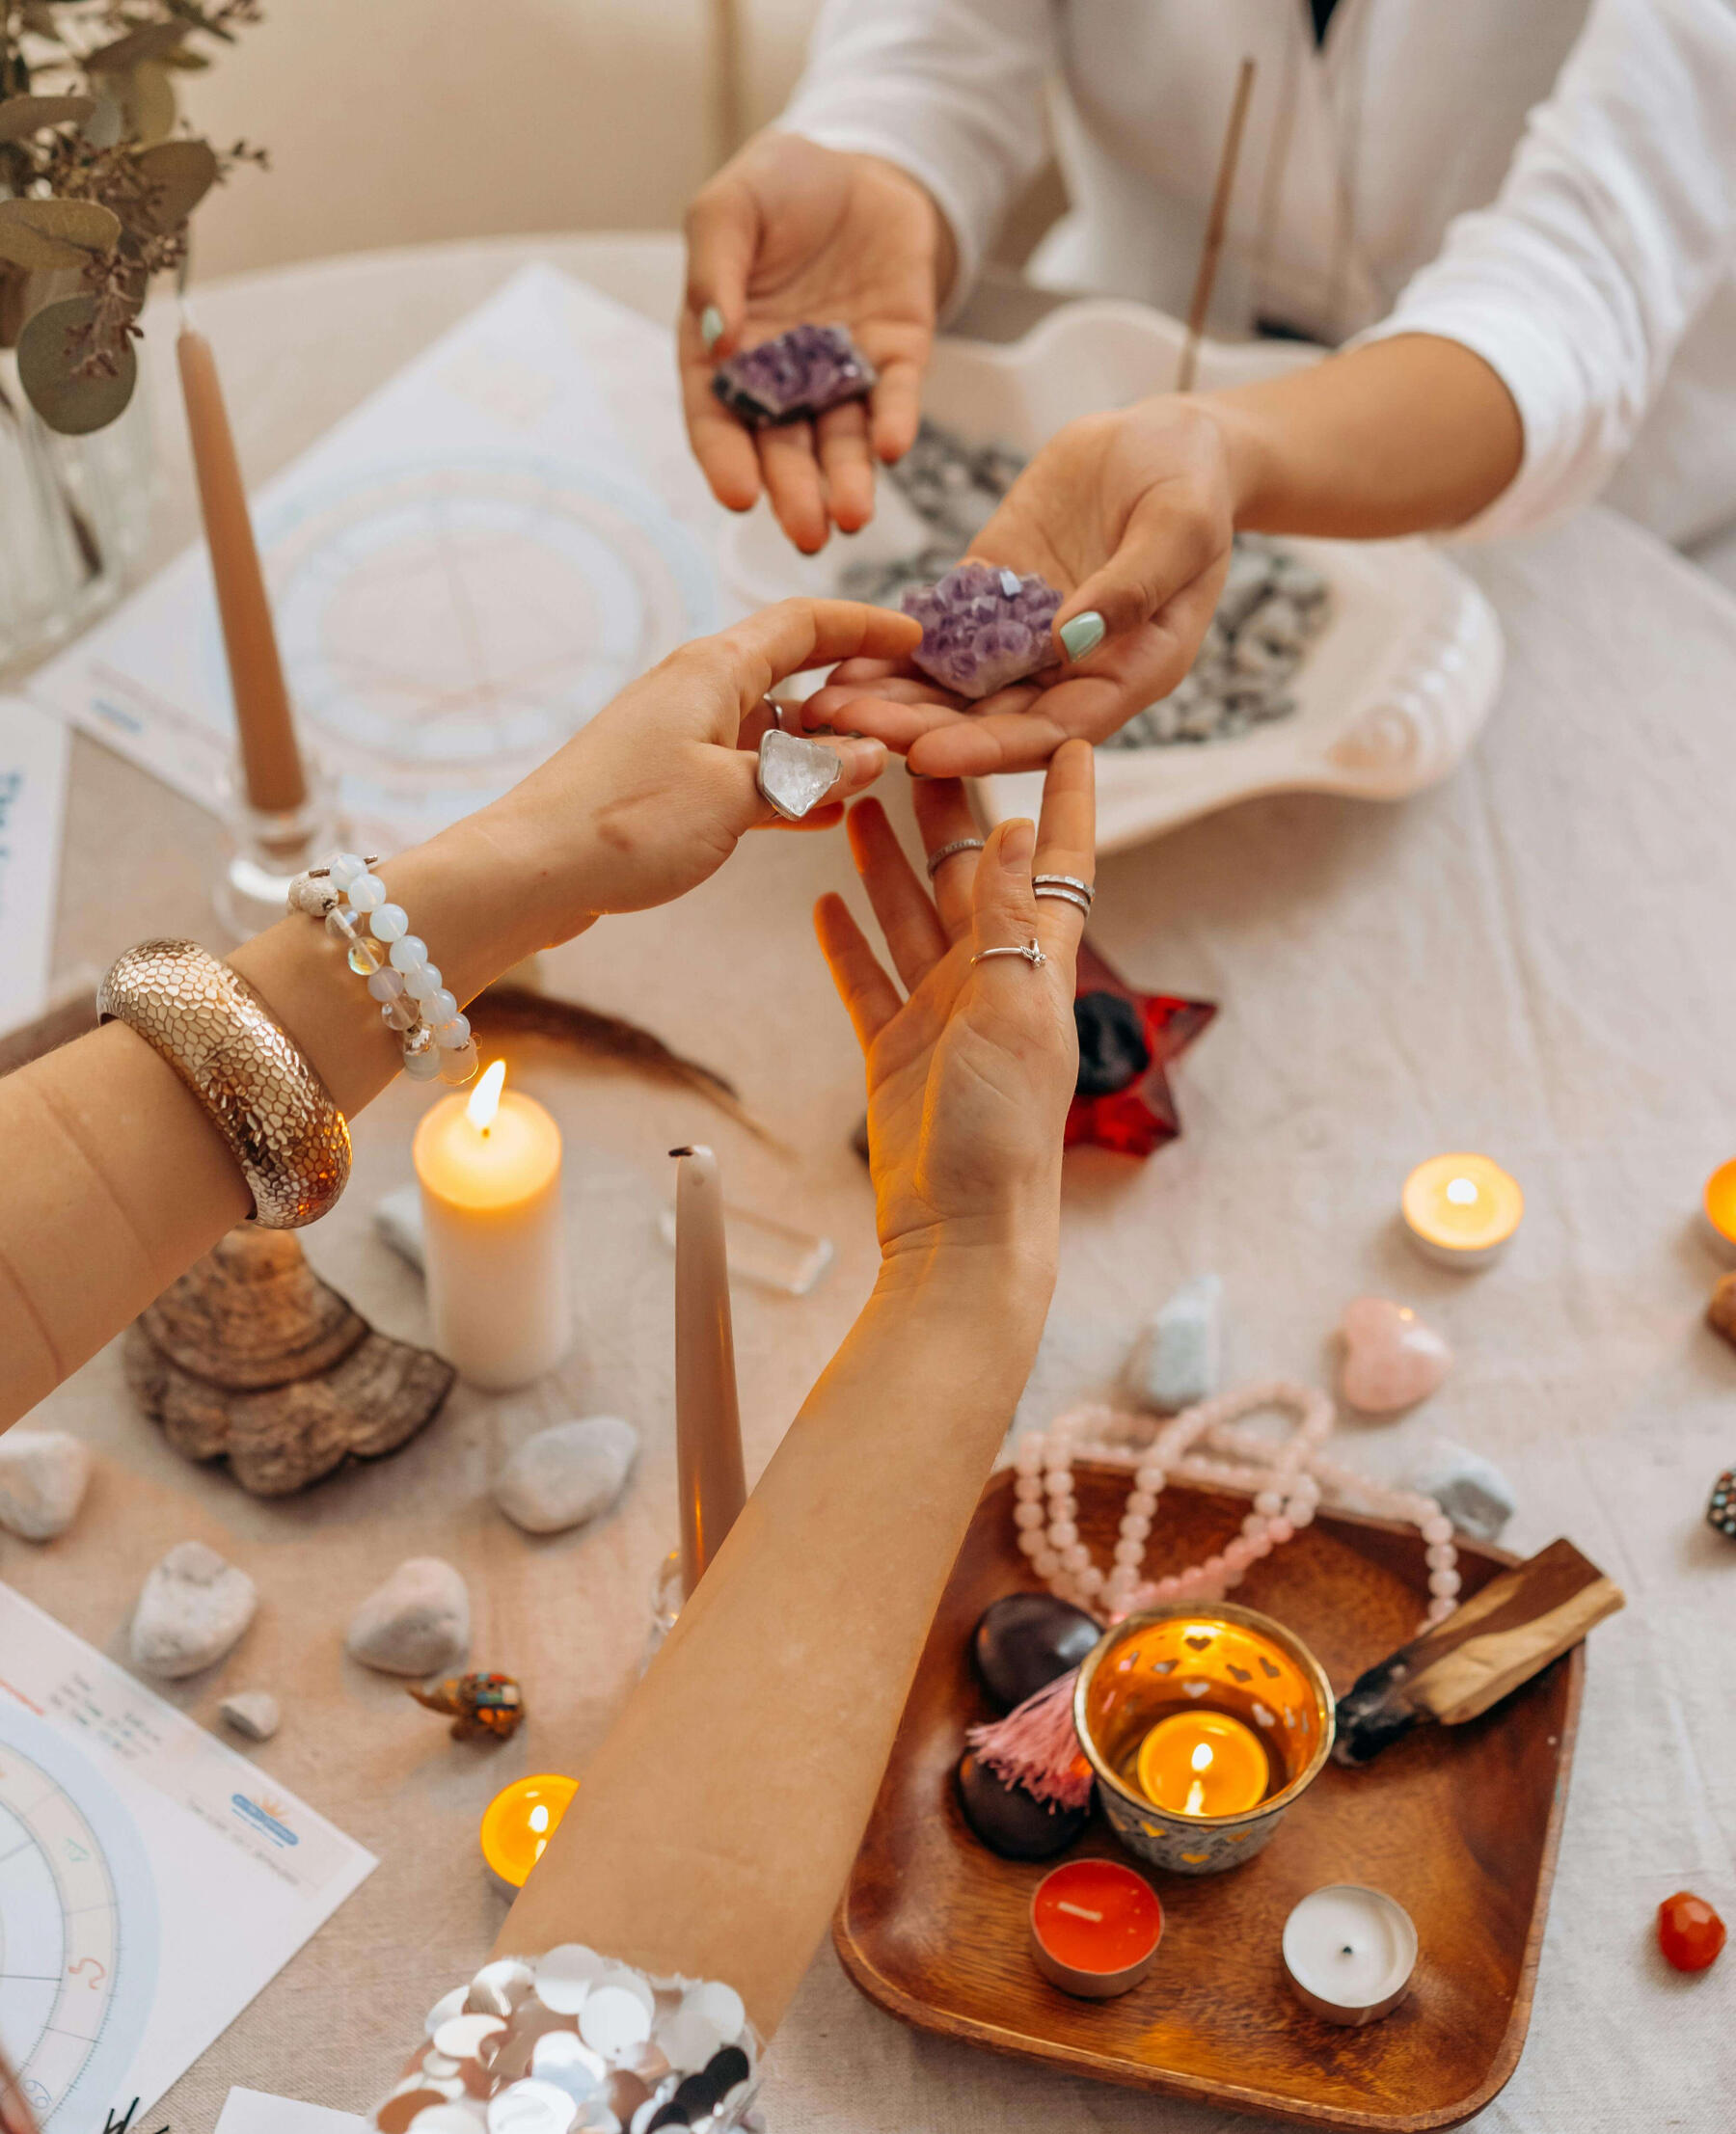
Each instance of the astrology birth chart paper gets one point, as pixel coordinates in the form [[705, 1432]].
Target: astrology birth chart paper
[[463, 571], [151, 1880]]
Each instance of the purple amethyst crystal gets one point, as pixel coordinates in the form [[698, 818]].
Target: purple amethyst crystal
[[803, 372], [983, 628]]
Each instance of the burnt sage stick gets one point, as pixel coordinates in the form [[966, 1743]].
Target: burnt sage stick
[[1490, 1644]]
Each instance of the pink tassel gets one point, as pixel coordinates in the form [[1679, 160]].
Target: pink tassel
[[1035, 1745]]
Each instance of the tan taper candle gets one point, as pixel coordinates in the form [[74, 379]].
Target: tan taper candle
[[270, 761], [708, 1418]]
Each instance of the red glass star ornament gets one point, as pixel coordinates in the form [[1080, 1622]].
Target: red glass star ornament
[[1126, 1041]]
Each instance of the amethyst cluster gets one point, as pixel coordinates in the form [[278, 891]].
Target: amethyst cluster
[[983, 628], [803, 372]]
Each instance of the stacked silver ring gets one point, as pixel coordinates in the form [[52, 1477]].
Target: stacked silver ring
[[1065, 889], [947, 852]]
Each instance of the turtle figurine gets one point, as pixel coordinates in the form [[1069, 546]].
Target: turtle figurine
[[479, 1704]]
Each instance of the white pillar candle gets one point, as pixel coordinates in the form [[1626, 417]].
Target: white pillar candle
[[489, 1166], [1349, 1953]]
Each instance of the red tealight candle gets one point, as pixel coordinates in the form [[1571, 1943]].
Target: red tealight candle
[[1095, 1927]]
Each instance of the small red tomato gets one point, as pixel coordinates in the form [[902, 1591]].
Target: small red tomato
[[1690, 1933]]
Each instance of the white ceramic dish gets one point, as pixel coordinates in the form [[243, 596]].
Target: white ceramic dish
[[1391, 694]]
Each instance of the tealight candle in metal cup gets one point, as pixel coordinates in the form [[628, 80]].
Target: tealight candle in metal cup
[[1220, 1658]]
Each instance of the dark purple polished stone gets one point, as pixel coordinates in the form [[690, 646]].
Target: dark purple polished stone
[[801, 374], [983, 628], [1112, 1047], [1024, 1641], [1011, 1822]]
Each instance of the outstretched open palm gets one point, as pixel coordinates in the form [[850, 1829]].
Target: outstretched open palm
[[791, 234], [971, 1070]]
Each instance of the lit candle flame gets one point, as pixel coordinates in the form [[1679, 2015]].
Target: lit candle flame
[[1201, 1756], [1461, 1191], [485, 1097]]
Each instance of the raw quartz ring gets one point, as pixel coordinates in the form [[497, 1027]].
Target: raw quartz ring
[[1031, 951], [795, 774]]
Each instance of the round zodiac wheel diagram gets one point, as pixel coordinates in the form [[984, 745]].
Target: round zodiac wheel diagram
[[77, 1931]]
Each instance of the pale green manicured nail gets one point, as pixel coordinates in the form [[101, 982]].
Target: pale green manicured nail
[[711, 327], [1081, 637]]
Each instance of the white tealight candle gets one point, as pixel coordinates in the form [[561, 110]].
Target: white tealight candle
[[1461, 1211], [1349, 1953], [496, 1251]]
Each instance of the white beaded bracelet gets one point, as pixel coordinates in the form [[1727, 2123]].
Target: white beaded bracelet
[[413, 1000]]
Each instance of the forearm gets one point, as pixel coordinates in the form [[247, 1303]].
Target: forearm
[[116, 1181], [1413, 435], [715, 1827]]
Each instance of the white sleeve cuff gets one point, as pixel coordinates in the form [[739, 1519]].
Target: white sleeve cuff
[[1560, 467]]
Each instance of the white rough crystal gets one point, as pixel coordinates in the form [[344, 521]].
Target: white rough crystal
[[417, 1623], [1471, 1490], [795, 774], [193, 1608], [44, 1475], [398, 1219], [1178, 1359], [567, 1474], [253, 1712]]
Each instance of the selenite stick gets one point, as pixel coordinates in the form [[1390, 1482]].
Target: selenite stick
[[271, 764], [708, 1418]]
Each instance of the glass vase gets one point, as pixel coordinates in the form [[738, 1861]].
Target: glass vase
[[74, 515]]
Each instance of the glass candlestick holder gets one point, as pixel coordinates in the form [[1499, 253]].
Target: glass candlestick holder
[[267, 851]]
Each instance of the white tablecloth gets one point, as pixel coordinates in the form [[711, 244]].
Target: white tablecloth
[[1533, 960]]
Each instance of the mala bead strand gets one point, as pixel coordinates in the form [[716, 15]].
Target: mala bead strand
[[1202, 1444]]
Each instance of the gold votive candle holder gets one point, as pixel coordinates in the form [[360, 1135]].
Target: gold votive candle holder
[[1217, 1658]]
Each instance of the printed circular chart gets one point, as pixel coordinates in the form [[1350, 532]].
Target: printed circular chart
[[445, 628], [76, 1980]]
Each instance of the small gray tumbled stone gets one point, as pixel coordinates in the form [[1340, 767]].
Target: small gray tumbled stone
[[417, 1623], [1471, 1490], [568, 1474], [1177, 1361], [193, 1607], [44, 1475], [253, 1712], [398, 1219]]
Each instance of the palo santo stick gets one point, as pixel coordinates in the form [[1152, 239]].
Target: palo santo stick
[[1500, 1638], [1215, 221]]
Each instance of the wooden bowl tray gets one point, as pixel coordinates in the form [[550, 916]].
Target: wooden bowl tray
[[1459, 1823]]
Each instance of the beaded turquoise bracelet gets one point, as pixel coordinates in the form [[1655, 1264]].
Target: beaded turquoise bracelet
[[413, 999]]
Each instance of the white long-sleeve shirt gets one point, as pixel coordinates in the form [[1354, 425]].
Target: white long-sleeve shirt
[[1391, 183]]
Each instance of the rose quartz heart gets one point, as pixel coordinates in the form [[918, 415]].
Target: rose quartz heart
[[1392, 1359]]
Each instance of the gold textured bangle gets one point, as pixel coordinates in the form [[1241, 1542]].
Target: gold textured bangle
[[263, 1098]]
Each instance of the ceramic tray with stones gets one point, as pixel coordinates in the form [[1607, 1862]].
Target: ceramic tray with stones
[[1392, 691], [1460, 1825]]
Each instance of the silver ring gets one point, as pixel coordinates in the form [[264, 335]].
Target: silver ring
[[1065, 881], [1067, 896], [1030, 950], [946, 852]]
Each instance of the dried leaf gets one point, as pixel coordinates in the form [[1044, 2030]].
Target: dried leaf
[[178, 175], [48, 367], [185, 62], [148, 99], [106, 126], [38, 16], [126, 52], [44, 233], [21, 115]]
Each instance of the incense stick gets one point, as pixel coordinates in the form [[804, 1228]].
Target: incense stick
[[1214, 229]]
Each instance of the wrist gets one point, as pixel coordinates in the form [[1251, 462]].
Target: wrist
[[991, 1263], [1250, 453], [943, 245]]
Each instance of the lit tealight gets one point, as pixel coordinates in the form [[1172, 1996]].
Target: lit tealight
[[1461, 1209], [519, 1821], [1720, 1205]]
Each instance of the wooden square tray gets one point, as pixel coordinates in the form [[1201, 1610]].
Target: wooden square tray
[[1459, 1823]]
